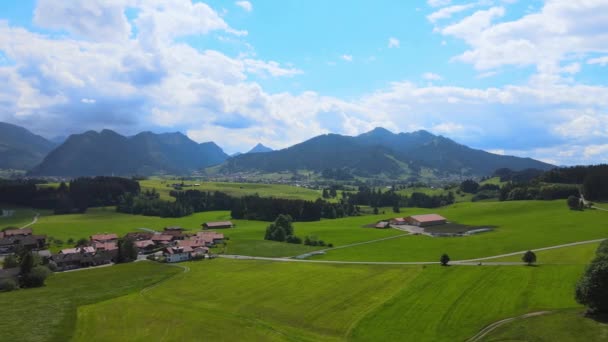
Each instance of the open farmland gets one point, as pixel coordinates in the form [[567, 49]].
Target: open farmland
[[49, 313], [260, 300], [519, 226], [234, 189]]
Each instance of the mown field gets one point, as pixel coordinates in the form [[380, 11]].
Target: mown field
[[274, 301], [49, 313], [519, 226], [234, 189]]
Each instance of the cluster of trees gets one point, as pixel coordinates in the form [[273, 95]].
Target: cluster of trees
[[378, 198], [148, 203], [536, 191], [76, 196], [592, 288], [311, 240], [259, 208], [282, 230], [32, 271]]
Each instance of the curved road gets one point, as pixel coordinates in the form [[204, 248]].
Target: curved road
[[34, 220], [485, 331]]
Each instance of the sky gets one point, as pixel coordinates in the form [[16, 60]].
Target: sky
[[526, 78]]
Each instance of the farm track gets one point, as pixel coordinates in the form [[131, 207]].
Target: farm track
[[485, 331], [185, 269], [34, 220], [468, 262]]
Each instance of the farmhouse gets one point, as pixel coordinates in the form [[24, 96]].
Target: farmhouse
[[217, 225], [104, 238], [426, 220], [177, 254], [139, 236], [398, 221], [12, 239], [382, 224], [211, 238], [144, 244], [162, 239]]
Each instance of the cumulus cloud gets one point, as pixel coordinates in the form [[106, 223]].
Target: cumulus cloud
[[146, 77], [603, 61], [429, 76], [438, 3], [246, 5], [447, 12]]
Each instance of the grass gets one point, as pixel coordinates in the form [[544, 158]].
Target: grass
[[462, 197], [272, 301], [248, 301], [49, 313], [520, 225], [235, 189], [563, 326], [21, 217], [573, 255]]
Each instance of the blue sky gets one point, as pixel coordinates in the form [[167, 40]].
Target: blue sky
[[512, 77]]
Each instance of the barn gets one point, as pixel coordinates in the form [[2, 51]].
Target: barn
[[218, 225], [426, 220]]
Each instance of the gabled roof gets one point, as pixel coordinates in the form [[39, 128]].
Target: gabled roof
[[104, 237], [78, 250], [191, 243], [428, 218], [161, 237], [107, 246], [143, 243], [218, 224], [382, 224], [22, 231]]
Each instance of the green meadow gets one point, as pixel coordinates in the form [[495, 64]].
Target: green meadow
[[49, 313], [249, 300], [234, 189], [519, 226]]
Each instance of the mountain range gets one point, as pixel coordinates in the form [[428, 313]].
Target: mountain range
[[381, 152], [378, 152], [109, 153], [21, 149]]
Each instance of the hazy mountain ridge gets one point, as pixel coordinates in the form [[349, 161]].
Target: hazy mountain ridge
[[381, 152], [147, 153], [21, 149]]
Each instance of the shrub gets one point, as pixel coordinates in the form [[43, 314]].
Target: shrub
[[10, 261], [592, 288], [36, 277], [7, 285], [444, 260]]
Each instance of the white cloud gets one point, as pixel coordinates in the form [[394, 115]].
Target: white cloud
[[429, 76], [246, 5], [603, 61], [393, 43], [88, 101], [438, 3], [447, 12], [348, 58]]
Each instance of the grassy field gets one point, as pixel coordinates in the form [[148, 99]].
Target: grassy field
[[257, 300], [563, 326], [520, 225], [246, 239], [573, 255], [49, 313], [235, 189]]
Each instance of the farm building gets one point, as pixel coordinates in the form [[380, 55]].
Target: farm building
[[13, 239], [382, 224], [217, 225], [398, 221], [211, 238], [103, 238], [177, 254], [426, 220]]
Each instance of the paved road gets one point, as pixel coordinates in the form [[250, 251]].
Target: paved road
[[33, 221], [502, 322], [469, 262], [352, 245]]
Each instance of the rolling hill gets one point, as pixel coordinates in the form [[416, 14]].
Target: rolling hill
[[21, 149], [109, 153], [381, 152]]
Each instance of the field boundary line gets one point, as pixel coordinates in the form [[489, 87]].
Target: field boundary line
[[352, 245], [185, 269], [488, 329]]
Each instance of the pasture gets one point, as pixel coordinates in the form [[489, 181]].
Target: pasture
[[249, 300], [49, 313], [519, 226], [233, 189]]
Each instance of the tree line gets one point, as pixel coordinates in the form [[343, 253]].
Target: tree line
[[74, 197]]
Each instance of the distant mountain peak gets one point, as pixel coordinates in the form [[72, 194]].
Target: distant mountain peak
[[378, 131], [259, 148]]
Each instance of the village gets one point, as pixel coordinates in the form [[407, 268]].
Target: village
[[172, 244]]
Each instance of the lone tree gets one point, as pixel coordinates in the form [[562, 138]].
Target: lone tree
[[281, 230], [529, 258], [592, 288], [574, 203], [444, 260]]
